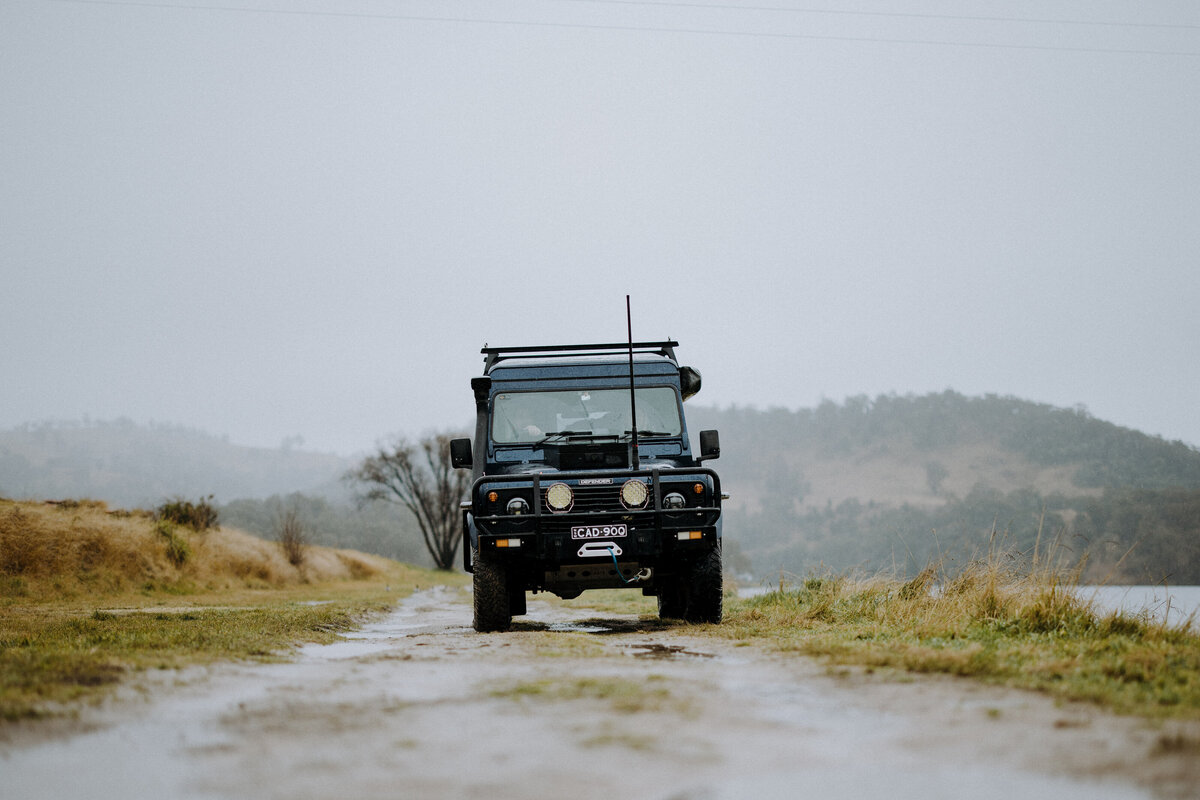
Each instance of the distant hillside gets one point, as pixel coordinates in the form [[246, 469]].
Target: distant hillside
[[921, 449], [898, 480], [865, 483], [137, 466]]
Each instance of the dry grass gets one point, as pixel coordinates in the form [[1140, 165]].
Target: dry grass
[[989, 622], [82, 548], [89, 595]]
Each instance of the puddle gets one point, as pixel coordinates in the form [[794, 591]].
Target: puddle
[[343, 650], [572, 627], [663, 651], [430, 611]]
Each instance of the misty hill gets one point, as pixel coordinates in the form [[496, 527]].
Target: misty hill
[[898, 480], [137, 466], [861, 484]]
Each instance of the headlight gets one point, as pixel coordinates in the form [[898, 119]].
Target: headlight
[[518, 506], [634, 493], [674, 501], [560, 498]]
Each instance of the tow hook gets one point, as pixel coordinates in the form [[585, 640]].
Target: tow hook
[[601, 549]]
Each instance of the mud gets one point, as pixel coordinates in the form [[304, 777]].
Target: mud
[[575, 705]]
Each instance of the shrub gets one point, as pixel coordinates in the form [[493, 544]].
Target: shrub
[[199, 516], [178, 550], [290, 533]]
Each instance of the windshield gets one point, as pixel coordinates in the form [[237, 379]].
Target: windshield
[[528, 417]]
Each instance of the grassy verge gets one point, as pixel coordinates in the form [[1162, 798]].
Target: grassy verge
[[1017, 630], [89, 596]]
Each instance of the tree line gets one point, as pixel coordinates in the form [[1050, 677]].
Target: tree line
[[1104, 454], [1126, 535], [1144, 526]]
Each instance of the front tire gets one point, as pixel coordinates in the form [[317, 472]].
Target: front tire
[[672, 600], [705, 589], [493, 609]]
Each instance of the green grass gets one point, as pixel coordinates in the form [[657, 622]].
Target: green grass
[[621, 695], [610, 601], [1022, 631]]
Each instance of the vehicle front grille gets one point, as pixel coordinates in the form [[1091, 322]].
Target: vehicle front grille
[[590, 499]]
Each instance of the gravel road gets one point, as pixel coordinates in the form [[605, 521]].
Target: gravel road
[[582, 705]]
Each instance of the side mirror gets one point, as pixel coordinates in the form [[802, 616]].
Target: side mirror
[[460, 453], [710, 445]]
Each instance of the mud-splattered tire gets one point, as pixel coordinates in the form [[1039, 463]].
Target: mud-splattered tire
[[493, 611], [704, 588], [672, 602]]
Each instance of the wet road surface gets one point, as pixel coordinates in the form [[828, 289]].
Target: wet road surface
[[584, 705]]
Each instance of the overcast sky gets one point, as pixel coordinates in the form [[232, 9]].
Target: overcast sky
[[266, 219]]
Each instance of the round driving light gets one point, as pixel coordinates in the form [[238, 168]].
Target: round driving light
[[493, 496], [518, 506], [560, 497], [698, 488], [634, 493], [674, 501]]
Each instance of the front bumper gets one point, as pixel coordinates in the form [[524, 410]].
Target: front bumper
[[644, 543], [541, 541]]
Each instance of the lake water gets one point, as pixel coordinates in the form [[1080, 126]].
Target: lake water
[[1178, 605]]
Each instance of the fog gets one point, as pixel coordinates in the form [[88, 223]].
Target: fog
[[278, 219]]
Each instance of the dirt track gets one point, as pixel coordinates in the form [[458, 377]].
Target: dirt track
[[418, 705]]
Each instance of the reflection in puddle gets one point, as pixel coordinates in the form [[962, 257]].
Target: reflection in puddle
[[656, 650], [428, 611], [572, 627]]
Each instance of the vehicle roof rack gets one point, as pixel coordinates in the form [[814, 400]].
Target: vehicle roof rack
[[494, 355]]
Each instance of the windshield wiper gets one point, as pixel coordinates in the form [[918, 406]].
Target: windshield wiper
[[650, 433], [575, 435], [557, 434]]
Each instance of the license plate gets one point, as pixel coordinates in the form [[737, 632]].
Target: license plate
[[586, 532]]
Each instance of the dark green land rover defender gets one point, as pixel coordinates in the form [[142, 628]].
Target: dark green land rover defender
[[585, 479]]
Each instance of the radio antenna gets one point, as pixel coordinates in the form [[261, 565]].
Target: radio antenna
[[632, 393]]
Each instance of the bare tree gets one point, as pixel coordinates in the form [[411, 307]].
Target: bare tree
[[292, 538], [420, 477]]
